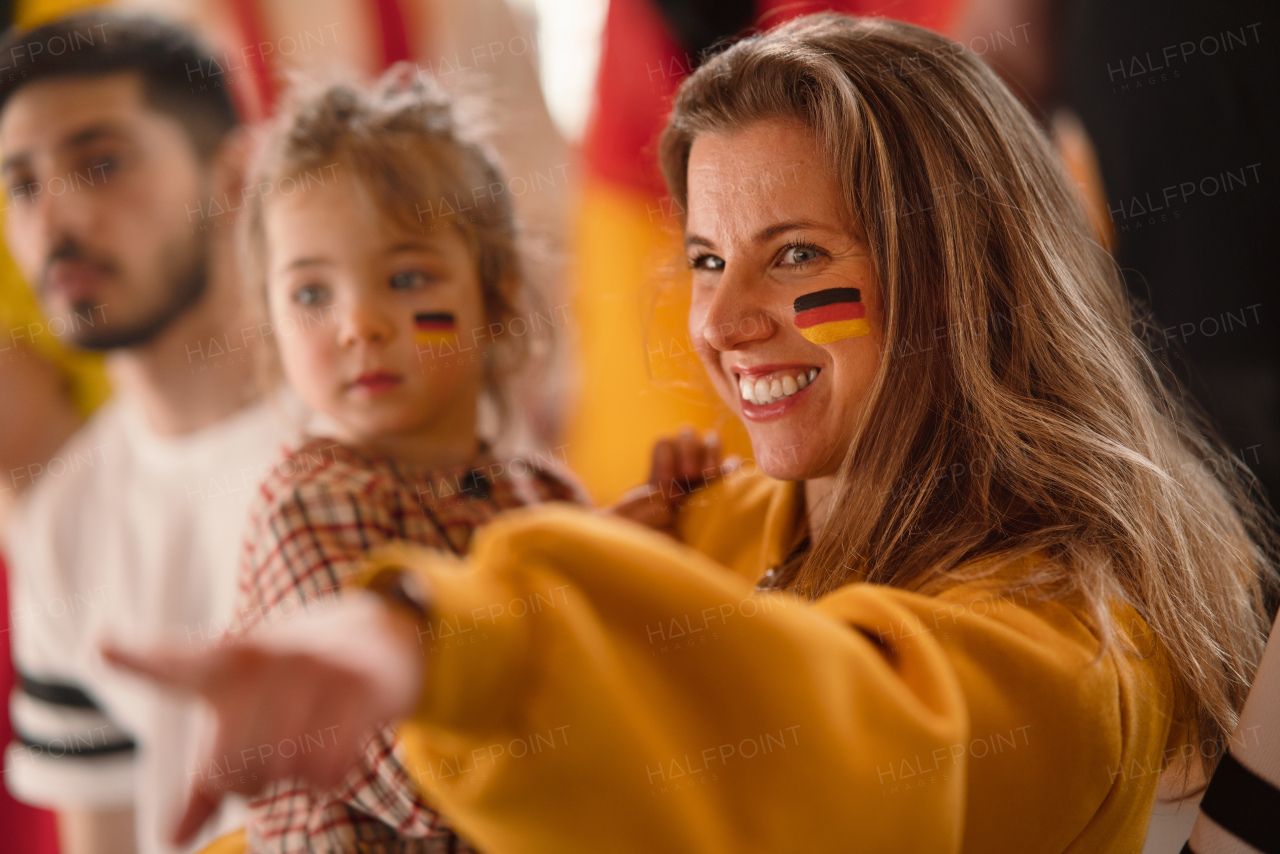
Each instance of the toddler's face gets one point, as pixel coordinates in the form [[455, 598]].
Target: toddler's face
[[371, 319]]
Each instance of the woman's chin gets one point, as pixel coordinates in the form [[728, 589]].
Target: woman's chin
[[785, 460]]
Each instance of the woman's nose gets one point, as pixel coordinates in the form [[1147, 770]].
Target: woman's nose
[[733, 318]]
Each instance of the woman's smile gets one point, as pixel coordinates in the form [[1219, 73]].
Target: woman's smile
[[769, 391]]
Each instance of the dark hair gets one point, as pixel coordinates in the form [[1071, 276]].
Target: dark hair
[[171, 60]]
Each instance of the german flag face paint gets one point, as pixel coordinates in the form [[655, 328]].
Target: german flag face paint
[[434, 327], [831, 315]]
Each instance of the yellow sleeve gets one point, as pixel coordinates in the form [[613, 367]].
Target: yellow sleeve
[[232, 843], [591, 686]]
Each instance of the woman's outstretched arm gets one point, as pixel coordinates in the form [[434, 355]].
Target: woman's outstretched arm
[[584, 685]]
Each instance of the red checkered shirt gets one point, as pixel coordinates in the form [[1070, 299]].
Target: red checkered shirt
[[321, 509]]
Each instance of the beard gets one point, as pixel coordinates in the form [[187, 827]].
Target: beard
[[184, 276]]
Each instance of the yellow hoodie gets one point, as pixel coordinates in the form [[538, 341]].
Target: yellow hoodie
[[591, 686]]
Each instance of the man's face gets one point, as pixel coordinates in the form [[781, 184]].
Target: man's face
[[100, 191]]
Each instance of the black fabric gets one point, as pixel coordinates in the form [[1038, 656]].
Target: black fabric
[[1179, 95], [56, 693], [1244, 804], [699, 24], [73, 747]]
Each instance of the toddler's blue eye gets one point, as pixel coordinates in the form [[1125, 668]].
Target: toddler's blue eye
[[311, 295], [408, 280]]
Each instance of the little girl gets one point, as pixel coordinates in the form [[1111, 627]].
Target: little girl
[[386, 250]]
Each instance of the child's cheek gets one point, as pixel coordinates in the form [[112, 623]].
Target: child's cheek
[[310, 368]]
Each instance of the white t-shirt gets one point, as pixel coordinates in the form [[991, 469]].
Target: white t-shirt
[[134, 536]]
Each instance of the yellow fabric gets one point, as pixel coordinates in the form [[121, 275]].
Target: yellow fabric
[[232, 843], [638, 375], [593, 686], [32, 13], [23, 327]]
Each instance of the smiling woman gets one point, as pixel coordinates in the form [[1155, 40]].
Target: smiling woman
[[977, 597]]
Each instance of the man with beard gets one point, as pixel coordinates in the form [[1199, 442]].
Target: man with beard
[[111, 158]]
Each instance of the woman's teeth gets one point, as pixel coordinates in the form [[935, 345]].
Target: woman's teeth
[[774, 388]]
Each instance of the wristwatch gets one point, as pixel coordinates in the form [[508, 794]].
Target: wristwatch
[[403, 588]]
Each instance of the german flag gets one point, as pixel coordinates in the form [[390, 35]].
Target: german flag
[[434, 327], [831, 315]]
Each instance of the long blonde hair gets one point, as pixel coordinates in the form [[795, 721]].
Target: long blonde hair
[[1017, 410]]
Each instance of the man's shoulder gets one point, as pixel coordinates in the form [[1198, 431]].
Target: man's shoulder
[[94, 453]]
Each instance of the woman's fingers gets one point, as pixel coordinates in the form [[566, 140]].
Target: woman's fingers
[[731, 463], [710, 454], [645, 506], [685, 463], [328, 677], [186, 671], [663, 470]]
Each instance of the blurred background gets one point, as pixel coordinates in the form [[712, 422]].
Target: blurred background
[[1160, 109]]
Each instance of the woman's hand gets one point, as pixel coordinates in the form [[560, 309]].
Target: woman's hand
[[340, 671], [681, 465]]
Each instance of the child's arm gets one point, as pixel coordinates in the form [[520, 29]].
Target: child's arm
[[682, 465]]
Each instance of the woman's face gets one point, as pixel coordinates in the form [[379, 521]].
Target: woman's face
[[786, 312]]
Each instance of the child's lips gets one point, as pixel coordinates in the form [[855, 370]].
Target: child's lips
[[375, 382]]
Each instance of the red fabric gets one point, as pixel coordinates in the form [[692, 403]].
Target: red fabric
[[641, 64], [393, 39], [249, 26], [25, 829], [934, 14]]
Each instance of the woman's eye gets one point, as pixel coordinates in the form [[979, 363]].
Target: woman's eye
[[408, 280], [309, 295], [706, 262], [799, 254]]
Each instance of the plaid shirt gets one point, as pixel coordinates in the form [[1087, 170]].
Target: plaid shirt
[[321, 509]]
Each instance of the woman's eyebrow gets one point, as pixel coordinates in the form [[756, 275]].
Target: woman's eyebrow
[[783, 227], [764, 234]]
